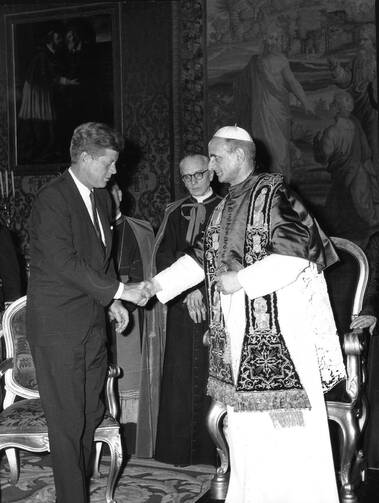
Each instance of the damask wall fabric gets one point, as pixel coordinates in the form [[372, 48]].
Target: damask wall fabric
[[162, 71]]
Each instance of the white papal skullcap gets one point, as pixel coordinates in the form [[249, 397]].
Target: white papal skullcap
[[233, 133]]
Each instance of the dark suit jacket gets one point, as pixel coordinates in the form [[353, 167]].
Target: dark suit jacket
[[71, 279]]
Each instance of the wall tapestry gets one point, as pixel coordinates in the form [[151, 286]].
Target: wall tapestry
[[300, 76]]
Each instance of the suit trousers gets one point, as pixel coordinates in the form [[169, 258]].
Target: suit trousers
[[71, 380]]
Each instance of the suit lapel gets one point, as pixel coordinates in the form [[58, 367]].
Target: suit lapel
[[102, 210], [77, 200], [81, 210]]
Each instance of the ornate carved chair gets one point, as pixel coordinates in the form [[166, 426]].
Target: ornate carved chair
[[22, 422], [346, 403]]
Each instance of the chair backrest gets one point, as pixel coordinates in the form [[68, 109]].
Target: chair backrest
[[347, 281], [20, 378]]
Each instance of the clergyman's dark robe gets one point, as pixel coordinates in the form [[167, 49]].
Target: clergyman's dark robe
[[182, 437], [132, 249]]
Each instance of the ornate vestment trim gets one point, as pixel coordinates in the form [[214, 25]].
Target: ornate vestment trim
[[267, 379]]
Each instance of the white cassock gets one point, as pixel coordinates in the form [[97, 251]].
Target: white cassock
[[271, 464]]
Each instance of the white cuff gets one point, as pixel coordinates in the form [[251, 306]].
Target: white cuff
[[181, 275], [120, 289], [270, 274]]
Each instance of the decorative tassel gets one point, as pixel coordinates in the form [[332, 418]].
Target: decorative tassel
[[287, 418]]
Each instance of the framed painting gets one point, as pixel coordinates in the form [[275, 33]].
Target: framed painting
[[300, 76], [63, 69]]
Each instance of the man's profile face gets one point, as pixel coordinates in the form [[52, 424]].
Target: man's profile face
[[196, 187], [97, 170], [223, 162], [57, 41]]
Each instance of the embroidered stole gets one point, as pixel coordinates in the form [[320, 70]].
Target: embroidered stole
[[267, 379]]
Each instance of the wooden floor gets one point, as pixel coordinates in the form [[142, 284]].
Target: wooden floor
[[367, 493]]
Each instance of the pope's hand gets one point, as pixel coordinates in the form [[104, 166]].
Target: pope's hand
[[136, 293], [140, 293], [227, 282], [364, 321]]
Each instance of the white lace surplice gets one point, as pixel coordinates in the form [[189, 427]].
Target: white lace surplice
[[288, 465], [271, 464]]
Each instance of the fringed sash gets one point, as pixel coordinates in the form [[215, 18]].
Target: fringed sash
[[267, 379]]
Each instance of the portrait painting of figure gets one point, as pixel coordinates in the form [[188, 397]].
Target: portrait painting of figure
[[300, 76], [63, 76]]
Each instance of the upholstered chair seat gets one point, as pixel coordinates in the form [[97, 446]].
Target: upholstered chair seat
[[25, 416]]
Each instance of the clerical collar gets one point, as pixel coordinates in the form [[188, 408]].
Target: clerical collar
[[236, 190], [201, 199], [118, 216]]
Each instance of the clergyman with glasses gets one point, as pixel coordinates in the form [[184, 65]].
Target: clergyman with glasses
[[182, 438]]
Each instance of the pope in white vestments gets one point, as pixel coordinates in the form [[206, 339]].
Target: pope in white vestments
[[274, 350]]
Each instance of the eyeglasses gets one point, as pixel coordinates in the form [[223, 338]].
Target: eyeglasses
[[199, 175]]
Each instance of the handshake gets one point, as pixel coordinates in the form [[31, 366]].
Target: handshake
[[140, 293]]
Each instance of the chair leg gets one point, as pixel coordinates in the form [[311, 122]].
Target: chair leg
[[220, 481], [14, 468], [349, 430], [114, 442], [96, 466]]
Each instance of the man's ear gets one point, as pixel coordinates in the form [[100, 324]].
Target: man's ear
[[85, 157], [211, 174], [240, 154]]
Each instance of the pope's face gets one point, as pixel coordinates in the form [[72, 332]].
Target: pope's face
[[223, 162]]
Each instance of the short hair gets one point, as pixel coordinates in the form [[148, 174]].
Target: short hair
[[247, 146], [202, 159], [52, 29], [93, 138]]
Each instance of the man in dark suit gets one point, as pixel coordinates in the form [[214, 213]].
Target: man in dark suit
[[72, 281]]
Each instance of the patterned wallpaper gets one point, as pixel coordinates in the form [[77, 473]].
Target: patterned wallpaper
[[163, 107], [192, 82]]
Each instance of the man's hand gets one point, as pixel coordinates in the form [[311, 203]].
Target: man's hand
[[152, 287], [136, 293], [195, 306], [227, 282], [120, 314], [364, 321], [140, 293]]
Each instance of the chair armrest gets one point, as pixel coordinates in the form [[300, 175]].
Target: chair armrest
[[354, 345], [5, 365], [112, 404]]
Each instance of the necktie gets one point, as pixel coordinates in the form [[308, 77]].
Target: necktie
[[95, 216]]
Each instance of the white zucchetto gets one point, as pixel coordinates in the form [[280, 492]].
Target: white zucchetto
[[233, 133]]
